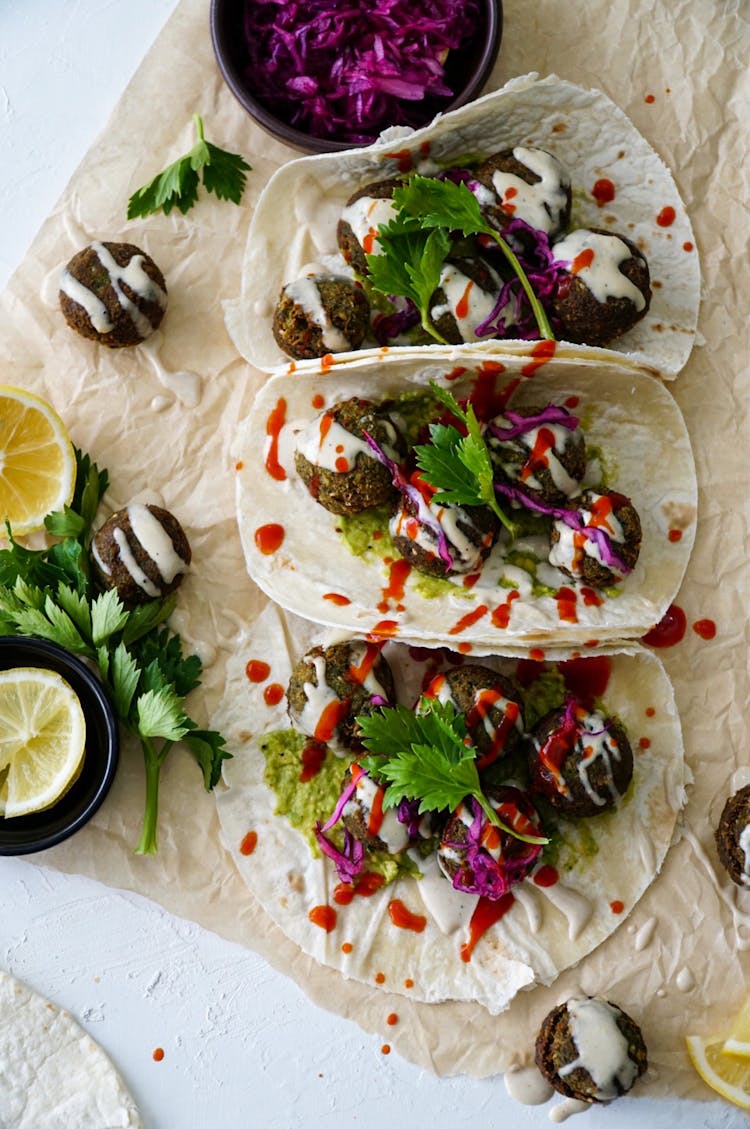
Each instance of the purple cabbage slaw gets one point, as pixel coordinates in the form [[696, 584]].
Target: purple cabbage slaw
[[573, 519], [424, 514], [521, 425], [348, 68], [492, 878]]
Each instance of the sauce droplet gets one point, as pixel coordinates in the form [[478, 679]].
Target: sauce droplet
[[486, 913], [318, 401], [408, 983], [385, 1049], [546, 876], [706, 628], [313, 756], [617, 906], [669, 631], [688, 246], [666, 216], [603, 192], [380, 978], [269, 538], [468, 620], [158, 1054], [675, 535], [273, 694], [257, 670], [274, 424], [403, 918], [324, 917], [347, 947], [249, 843], [650, 98], [392, 1019], [644, 743], [337, 599]]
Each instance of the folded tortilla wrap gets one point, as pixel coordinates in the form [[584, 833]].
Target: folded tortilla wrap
[[548, 927], [294, 224], [311, 570]]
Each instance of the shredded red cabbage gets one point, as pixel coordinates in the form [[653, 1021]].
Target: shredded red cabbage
[[408, 814], [484, 875], [512, 313], [349, 860], [387, 327], [348, 68], [521, 425]]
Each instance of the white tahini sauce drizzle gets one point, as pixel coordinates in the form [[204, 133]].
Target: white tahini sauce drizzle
[[571, 904], [465, 555], [449, 908], [570, 546], [645, 935], [466, 300], [365, 216], [327, 444], [304, 292], [133, 275], [563, 1110], [155, 541], [98, 558], [685, 980], [317, 699], [602, 1049], [524, 895], [134, 570], [602, 275], [393, 834], [541, 204], [744, 842], [597, 745], [527, 1085]]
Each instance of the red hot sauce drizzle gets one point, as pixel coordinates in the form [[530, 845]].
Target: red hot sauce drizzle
[[257, 670], [313, 755], [670, 629], [468, 620], [403, 918], [706, 628], [486, 914], [273, 694], [666, 216], [324, 917], [249, 843], [274, 423], [603, 192], [269, 538]]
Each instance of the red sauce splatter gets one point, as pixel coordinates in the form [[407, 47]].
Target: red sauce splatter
[[617, 906], [393, 592], [274, 424], [582, 260], [666, 216], [486, 914], [239, 465], [313, 755], [462, 306], [392, 1019], [527, 671], [158, 1054], [649, 98], [257, 670], [603, 192], [364, 886], [318, 401], [454, 374], [331, 715], [591, 643], [650, 711], [249, 843], [566, 605], [385, 629], [385, 1049], [269, 538], [468, 620], [464, 648], [324, 917], [326, 362], [403, 159], [347, 947], [380, 978], [591, 598], [403, 918], [536, 654], [706, 628], [572, 402], [546, 876], [688, 246], [488, 397], [670, 629], [470, 579], [342, 464], [408, 983], [501, 614], [335, 598], [542, 352], [675, 535], [587, 679], [273, 694], [644, 743]]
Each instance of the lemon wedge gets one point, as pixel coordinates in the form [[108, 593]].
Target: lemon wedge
[[727, 1074], [42, 739], [37, 460], [738, 1041]]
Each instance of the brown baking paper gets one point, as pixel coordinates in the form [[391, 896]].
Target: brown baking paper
[[162, 416]]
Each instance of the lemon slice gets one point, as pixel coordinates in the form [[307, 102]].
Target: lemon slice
[[727, 1074], [738, 1042], [42, 739], [37, 460]]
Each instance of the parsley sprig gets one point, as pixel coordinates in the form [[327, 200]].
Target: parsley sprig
[[223, 173], [426, 756], [416, 241], [459, 466], [50, 593]]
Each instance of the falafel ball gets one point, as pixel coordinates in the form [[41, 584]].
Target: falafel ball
[[320, 314], [599, 544], [490, 705], [142, 552], [733, 837], [336, 463], [465, 299], [604, 288], [330, 687], [528, 184], [590, 1049], [438, 539], [580, 761], [539, 450], [477, 856], [113, 293], [364, 212]]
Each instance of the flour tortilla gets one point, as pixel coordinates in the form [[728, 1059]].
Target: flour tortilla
[[294, 223], [634, 421], [535, 940], [52, 1074]]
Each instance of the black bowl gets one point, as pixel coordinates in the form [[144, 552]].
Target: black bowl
[[466, 72], [25, 834]]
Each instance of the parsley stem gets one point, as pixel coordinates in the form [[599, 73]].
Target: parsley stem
[[199, 126], [153, 760], [542, 321], [493, 817]]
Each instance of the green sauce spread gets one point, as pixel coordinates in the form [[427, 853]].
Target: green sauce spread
[[546, 693], [358, 532]]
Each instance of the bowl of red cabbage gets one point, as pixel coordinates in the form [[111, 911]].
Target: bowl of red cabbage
[[326, 75]]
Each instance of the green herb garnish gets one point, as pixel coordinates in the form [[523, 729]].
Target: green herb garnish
[[49, 593], [459, 466], [425, 756], [416, 242], [177, 186]]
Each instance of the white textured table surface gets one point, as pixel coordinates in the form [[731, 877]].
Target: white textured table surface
[[243, 1045]]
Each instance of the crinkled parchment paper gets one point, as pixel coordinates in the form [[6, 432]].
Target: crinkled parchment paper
[[679, 69]]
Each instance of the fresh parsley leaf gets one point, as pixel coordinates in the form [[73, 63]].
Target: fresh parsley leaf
[[160, 714], [108, 616], [77, 607], [409, 265], [160, 654], [146, 617], [207, 746], [426, 757], [124, 676], [65, 523], [223, 173]]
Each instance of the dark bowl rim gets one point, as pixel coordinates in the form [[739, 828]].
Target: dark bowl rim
[[305, 142], [66, 660]]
